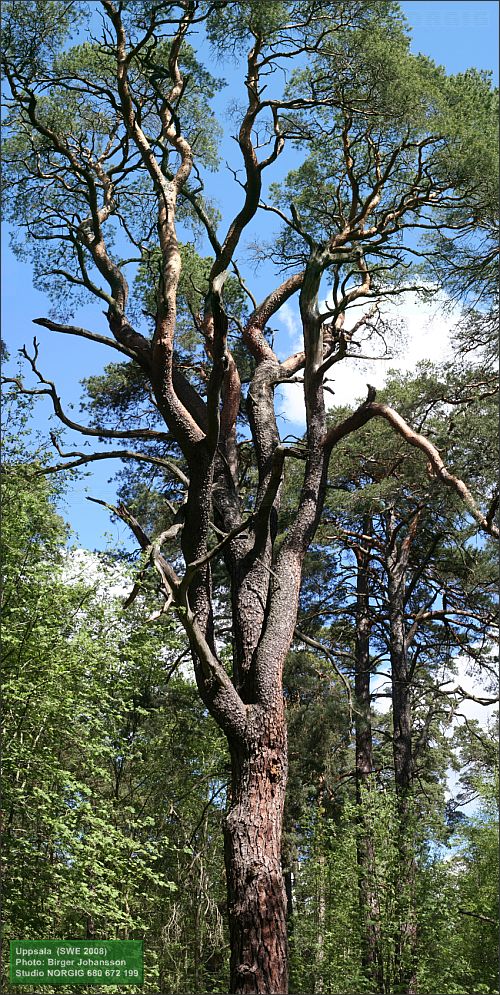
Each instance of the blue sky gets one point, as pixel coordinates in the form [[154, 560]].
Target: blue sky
[[456, 35]]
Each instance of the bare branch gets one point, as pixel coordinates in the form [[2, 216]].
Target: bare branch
[[49, 390], [125, 454], [352, 423], [253, 336], [370, 409], [477, 915], [86, 334], [215, 685], [196, 565], [436, 463]]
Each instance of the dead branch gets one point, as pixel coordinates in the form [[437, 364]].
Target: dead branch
[[83, 458], [437, 464], [224, 697], [48, 389], [84, 333]]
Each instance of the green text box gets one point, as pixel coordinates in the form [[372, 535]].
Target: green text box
[[76, 962]]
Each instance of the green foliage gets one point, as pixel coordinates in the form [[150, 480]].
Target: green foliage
[[456, 902], [373, 471], [33, 31], [122, 387], [285, 25], [458, 910], [75, 105], [327, 935], [192, 294], [396, 108], [232, 25], [115, 787], [114, 780], [317, 721]]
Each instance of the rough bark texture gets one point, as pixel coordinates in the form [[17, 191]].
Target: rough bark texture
[[256, 891]]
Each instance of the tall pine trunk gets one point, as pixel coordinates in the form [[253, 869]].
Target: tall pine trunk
[[257, 902], [372, 959], [406, 952]]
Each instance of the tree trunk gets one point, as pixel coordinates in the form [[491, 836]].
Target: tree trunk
[[319, 979], [406, 964], [372, 959], [256, 892], [288, 879]]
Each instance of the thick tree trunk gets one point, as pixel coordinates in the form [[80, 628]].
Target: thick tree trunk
[[368, 902], [406, 960], [256, 892]]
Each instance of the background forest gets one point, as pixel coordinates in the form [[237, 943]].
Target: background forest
[[115, 777], [330, 578]]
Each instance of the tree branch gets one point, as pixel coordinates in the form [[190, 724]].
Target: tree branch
[[49, 390], [370, 409], [252, 335], [476, 915], [83, 458], [198, 564], [436, 463], [215, 685], [86, 334], [352, 423]]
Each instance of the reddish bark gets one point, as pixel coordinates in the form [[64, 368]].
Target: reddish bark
[[256, 891]]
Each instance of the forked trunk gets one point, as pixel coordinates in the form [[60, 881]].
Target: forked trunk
[[256, 892]]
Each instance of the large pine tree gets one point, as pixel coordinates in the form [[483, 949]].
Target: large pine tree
[[110, 137]]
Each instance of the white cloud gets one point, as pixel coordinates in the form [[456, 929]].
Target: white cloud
[[469, 683], [423, 332], [290, 408], [473, 684], [381, 684], [84, 566], [288, 315]]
